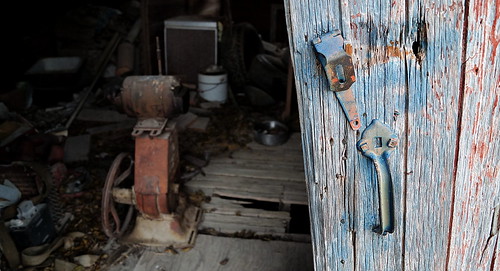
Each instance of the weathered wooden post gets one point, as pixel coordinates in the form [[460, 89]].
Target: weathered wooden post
[[430, 71]]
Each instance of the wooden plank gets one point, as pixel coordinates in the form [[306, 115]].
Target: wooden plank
[[235, 224], [432, 124], [267, 156], [223, 253], [474, 241], [256, 163], [408, 77], [250, 188], [231, 207], [373, 29], [237, 170], [328, 195]]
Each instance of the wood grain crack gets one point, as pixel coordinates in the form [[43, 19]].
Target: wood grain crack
[[459, 127], [493, 231]]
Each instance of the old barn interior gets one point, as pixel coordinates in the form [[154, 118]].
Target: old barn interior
[[233, 149], [250, 135]]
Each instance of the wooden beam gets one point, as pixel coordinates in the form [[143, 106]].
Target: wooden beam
[[474, 236], [408, 58]]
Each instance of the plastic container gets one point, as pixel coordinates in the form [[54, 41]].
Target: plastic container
[[54, 79], [212, 85]]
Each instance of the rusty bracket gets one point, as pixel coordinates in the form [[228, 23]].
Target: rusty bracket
[[154, 126], [340, 72]]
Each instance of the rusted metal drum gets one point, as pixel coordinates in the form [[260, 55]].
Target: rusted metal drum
[[150, 96]]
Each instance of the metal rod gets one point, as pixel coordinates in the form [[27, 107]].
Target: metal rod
[[158, 55], [106, 55]]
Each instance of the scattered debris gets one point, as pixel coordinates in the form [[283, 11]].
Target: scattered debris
[[200, 124], [86, 260], [77, 148], [184, 120], [115, 127], [61, 265], [102, 115]]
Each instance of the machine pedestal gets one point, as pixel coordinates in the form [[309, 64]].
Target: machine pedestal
[[169, 230]]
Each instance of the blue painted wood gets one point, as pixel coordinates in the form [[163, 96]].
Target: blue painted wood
[[408, 57], [474, 237]]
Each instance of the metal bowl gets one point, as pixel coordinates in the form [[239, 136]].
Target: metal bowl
[[271, 133]]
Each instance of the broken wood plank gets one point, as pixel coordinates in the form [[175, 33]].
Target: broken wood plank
[[235, 208], [250, 188], [232, 224]]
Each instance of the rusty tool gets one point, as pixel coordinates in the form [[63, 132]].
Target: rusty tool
[[377, 143], [340, 72]]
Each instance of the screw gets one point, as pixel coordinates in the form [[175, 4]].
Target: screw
[[363, 146], [392, 143]]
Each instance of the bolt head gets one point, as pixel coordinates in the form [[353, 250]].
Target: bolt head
[[392, 143], [363, 146]]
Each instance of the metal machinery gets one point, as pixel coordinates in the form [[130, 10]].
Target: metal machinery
[[164, 217]]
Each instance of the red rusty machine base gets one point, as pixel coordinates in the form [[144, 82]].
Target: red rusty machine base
[[169, 230], [164, 217]]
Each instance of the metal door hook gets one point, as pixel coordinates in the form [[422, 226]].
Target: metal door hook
[[377, 143]]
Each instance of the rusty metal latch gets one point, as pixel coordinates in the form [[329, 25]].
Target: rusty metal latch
[[377, 143], [340, 72]]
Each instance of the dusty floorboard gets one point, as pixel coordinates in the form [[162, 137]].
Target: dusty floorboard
[[267, 174], [223, 253]]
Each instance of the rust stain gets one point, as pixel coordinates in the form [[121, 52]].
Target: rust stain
[[356, 15], [495, 103], [428, 116], [469, 89], [490, 173], [348, 49], [472, 155], [478, 149], [393, 51], [494, 39], [483, 150], [476, 120]]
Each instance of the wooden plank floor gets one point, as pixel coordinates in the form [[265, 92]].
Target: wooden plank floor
[[272, 174], [223, 253]]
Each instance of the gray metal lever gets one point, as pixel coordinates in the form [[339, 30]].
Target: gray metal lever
[[377, 143]]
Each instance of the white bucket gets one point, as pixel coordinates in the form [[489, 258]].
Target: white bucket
[[213, 87]]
